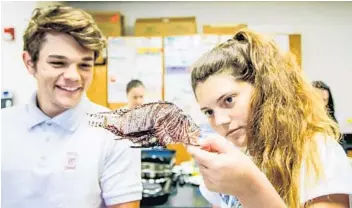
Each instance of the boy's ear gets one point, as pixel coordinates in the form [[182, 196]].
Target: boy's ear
[[27, 60]]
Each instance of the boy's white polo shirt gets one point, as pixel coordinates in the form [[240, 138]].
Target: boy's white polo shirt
[[62, 162]]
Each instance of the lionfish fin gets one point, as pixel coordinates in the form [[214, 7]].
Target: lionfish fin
[[97, 120]]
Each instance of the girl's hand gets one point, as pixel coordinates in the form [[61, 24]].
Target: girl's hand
[[225, 169]]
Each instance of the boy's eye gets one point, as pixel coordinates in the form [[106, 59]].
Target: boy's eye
[[57, 63], [85, 66]]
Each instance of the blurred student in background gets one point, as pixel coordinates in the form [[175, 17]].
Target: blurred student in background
[[325, 92], [135, 93]]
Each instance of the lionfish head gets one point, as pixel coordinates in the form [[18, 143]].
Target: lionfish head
[[193, 130]]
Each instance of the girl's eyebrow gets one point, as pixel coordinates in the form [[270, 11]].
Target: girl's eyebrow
[[217, 100]]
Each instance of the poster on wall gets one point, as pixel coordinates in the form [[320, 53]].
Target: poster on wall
[[180, 53], [134, 58]]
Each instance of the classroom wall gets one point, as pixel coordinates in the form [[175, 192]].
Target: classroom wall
[[14, 76], [325, 28], [13, 73]]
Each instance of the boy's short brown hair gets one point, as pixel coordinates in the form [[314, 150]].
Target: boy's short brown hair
[[64, 19]]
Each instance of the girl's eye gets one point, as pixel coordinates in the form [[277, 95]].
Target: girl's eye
[[208, 113], [229, 100]]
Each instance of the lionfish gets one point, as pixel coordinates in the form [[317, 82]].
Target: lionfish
[[155, 124]]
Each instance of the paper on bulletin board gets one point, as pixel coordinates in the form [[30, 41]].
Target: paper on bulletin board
[[120, 54], [134, 58], [149, 69], [180, 53], [203, 44]]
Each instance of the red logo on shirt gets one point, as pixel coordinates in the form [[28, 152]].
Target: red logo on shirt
[[71, 159]]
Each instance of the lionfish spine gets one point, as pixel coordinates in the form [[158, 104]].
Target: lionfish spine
[[97, 120]]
